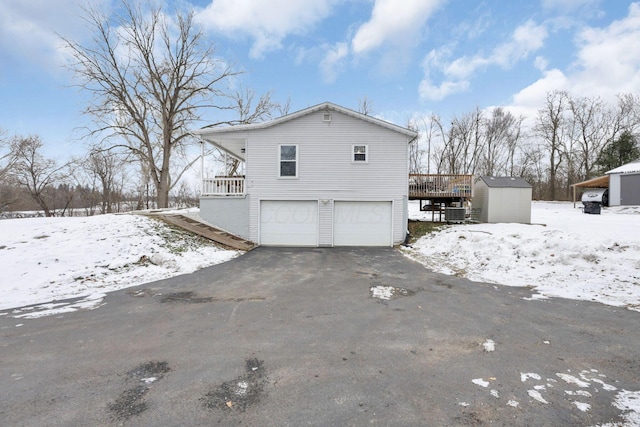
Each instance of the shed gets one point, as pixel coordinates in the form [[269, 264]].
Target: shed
[[624, 185], [503, 199]]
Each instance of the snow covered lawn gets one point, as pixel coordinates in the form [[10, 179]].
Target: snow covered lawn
[[565, 253], [48, 259]]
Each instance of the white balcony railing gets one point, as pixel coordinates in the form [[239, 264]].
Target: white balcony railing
[[223, 186]]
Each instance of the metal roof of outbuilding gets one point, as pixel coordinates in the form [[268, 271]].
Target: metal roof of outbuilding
[[505, 182], [631, 167]]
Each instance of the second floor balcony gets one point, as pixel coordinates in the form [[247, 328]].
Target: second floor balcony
[[223, 186]]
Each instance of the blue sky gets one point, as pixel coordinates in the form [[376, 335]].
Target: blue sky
[[409, 57]]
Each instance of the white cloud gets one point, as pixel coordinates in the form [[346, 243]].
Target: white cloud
[[525, 40], [29, 29], [534, 95], [609, 58], [471, 30], [462, 68], [267, 22], [438, 60], [541, 63], [428, 90], [333, 61], [608, 63], [568, 6], [393, 21]]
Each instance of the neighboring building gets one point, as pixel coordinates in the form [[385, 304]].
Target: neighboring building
[[624, 185], [323, 176], [502, 199]]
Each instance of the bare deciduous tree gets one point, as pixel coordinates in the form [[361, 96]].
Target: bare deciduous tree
[[248, 112], [502, 136], [551, 126], [149, 73], [7, 157], [416, 153], [107, 167], [7, 161], [35, 173], [283, 107], [365, 106], [464, 144], [592, 120]]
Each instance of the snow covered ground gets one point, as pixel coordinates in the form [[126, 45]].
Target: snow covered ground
[[50, 259], [565, 253]]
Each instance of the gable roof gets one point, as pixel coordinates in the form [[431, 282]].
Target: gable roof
[[325, 106], [631, 167], [505, 182]]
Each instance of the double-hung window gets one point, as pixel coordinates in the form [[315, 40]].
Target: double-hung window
[[288, 161], [359, 154]]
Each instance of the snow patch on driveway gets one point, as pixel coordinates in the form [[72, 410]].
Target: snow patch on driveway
[[543, 390]]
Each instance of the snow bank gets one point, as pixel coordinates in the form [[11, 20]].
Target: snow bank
[[564, 254], [47, 259]]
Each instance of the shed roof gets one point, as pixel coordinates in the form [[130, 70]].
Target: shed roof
[[631, 167], [505, 182]]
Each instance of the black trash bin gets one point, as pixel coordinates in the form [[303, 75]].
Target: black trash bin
[[591, 208]]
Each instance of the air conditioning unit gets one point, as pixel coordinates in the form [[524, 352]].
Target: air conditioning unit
[[454, 214]]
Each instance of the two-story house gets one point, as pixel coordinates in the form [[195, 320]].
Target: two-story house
[[322, 176]]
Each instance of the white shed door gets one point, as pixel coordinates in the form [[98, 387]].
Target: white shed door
[[362, 224], [289, 222]]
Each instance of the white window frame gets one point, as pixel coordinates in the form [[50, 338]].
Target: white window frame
[[366, 154], [280, 176]]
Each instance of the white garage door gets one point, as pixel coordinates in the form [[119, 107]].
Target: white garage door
[[362, 224], [289, 223]]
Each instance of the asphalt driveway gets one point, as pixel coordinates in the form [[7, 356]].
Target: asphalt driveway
[[295, 337]]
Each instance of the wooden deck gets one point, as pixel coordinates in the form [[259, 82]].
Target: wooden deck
[[444, 187]]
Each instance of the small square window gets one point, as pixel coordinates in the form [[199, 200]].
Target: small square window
[[360, 153], [288, 161]]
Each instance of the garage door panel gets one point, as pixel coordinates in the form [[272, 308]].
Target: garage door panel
[[289, 223], [362, 223], [630, 190]]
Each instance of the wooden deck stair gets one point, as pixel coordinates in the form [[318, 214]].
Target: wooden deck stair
[[207, 231]]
